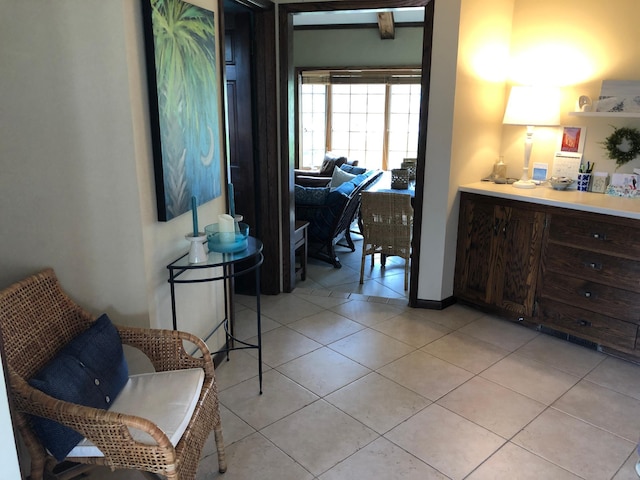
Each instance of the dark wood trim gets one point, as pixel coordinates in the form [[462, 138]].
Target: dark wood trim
[[349, 5], [224, 139], [287, 121], [427, 45], [352, 26], [266, 128], [435, 304], [264, 85], [288, 147]]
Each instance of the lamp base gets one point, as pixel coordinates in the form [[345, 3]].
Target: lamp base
[[524, 184]]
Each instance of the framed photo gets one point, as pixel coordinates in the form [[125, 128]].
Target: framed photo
[[182, 49], [572, 139], [619, 96]]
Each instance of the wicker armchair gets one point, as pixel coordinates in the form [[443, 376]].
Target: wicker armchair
[[387, 221], [37, 319]]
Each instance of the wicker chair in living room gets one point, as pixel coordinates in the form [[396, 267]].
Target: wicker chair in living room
[[38, 320], [387, 221]]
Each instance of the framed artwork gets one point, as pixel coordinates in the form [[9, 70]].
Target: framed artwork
[[572, 139], [619, 96], [184, 98]]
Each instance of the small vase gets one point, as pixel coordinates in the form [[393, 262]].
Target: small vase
[[196, 250]]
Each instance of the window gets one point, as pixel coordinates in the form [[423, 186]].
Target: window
[[312, 125], [369, 115]]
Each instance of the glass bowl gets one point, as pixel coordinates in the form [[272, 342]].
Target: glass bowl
[[560, 183], [227, 242]]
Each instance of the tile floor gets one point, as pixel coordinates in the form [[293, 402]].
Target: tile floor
[[367, 388], [385, 282]]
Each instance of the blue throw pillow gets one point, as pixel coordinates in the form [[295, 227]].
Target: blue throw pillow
[[352, 169], [311, 195], [90, 370]]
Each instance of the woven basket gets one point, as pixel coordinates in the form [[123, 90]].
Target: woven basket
[[400, 178], [410, 164]]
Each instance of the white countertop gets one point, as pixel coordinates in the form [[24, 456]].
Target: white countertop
[[572, 199]]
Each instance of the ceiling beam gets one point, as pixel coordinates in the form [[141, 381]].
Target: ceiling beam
[[386, 26]]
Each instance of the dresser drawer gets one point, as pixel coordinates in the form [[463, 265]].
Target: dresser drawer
[[596, 297], [598, 267], [582, 323], [586, 233]]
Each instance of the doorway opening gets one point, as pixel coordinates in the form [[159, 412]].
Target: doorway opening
[[289, 138]]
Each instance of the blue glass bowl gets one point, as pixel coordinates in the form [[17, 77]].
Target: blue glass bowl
[[227, 243]]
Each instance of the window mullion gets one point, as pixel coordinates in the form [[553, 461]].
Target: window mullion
[[387, 119], [328, 115]]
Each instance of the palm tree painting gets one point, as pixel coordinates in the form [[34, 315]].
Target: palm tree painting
[[181, 53]]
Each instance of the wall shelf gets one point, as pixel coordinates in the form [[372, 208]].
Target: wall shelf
[[606, 114]]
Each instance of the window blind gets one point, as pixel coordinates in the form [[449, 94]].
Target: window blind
[[386, 76]]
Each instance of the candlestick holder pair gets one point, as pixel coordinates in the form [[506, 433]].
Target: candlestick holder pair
[[217, 241]]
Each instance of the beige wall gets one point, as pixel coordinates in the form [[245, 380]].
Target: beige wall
[[76, 167], [76, 171], [465, 113], [77, 174], [576, 45]]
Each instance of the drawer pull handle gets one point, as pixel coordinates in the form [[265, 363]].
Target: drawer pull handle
[[594, 265], [587, 294], [584, 323], [599, 236]]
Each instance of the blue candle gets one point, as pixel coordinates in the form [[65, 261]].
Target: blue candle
[[232, 206], [194, 212]]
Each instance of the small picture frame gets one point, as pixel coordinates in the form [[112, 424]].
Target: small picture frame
[[572, 139], [599, 182], [540, 172]]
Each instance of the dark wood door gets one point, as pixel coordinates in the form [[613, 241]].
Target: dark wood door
[[242, 156], [517, 258], [476, 238], [252, 121], [239, 104], [498, 255]]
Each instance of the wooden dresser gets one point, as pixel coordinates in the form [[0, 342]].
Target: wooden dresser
[[590, 278], [571, 271]]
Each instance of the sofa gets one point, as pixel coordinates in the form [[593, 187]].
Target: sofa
[[331, 210], [322, 176]]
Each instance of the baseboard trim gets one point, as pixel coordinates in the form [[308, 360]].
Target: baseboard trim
[[435, 304]]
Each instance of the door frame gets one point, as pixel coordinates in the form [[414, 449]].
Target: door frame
[[288, 133], [265, 125]]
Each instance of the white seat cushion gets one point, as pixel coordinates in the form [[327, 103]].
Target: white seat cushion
[[167, 399]]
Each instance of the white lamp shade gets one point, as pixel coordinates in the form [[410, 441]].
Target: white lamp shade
[[533, 106]]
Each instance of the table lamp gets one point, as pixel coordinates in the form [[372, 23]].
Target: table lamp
[[531, 107]]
